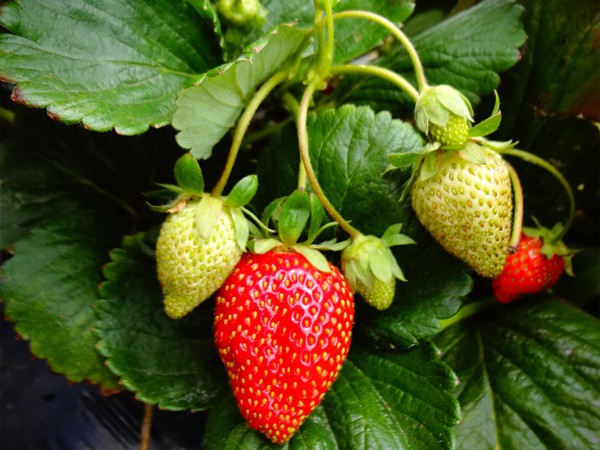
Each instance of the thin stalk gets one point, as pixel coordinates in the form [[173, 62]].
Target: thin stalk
[[242, 126], [531, 158], [146, 428], [467, 311], [305, 156], [325, 42], [518, 213], [381, 72], [294, 107], [397, 33]]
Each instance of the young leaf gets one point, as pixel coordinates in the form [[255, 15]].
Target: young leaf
[[243, 191], [206, 111], [294, 217], [529, 376], [172, 363], [189, 175], [108, 64]]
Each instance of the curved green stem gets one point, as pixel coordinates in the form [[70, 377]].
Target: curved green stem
[[467, 311], [518, 211], [397, 33], [380, 72], [531, 158], [242, 126], [305, 156]]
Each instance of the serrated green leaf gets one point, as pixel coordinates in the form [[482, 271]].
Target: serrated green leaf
[[243, 191], [381, 399], [189, 175], [294, 216], [172, 363], [50, 289], [466, 51], [126, 77], [206, 111], [529, 376]]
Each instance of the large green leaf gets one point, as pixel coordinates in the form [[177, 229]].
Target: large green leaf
[[173, 363], [206, 111], [352, 37], [67, 196], [50, 288], [381, 399], [529, 376], [467, 51], [107, 63]]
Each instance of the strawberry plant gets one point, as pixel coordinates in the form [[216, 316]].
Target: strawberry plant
[[300, 220]]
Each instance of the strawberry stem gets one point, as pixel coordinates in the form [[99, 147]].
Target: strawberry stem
[[531, 158], [397, 33], [242, 126], [305, 157], [146, 427], [518, 210], [380, 72], [325, 43]]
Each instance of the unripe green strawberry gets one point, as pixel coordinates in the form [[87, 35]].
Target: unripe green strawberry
[[381, 295], [468, 209], [191, 268], [455, 132], [283, 330]]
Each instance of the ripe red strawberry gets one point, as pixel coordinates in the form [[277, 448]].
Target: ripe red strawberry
[[282, 328], [527, 271]]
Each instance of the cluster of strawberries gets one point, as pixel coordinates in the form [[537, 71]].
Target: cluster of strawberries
[[284, 314]]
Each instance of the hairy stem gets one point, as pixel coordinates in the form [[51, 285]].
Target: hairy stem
[[518, 212], [397, 33], [305, 156], [381, 72], [242, 126], [531, 158]]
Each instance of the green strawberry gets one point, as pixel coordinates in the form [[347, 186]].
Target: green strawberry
[[468, 208], [444, 115], [191, 267], [282, 328]]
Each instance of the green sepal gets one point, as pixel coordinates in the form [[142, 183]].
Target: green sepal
[[243, 192], [294, 217], [392, 237], [332, 245], [315, 257], [473, 152], [208, 213], [261, 246], [489, 125], [170, 199], [317, 214], [499, 146], [430, 166], [189, 175], [550, 247], [403, 160], [379, 264], [272, 211], [242, 230]]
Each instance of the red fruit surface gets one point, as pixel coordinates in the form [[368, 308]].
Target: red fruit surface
[[527, 271], [283, 329]]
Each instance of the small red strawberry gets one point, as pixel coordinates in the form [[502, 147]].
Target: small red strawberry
[[282, 328], [535, 267]]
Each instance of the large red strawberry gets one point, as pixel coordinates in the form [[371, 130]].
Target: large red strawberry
[[528, 271], [282, 328]]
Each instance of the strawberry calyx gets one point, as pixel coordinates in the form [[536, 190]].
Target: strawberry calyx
[[298, 215], [551, 246], [371, 268]]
